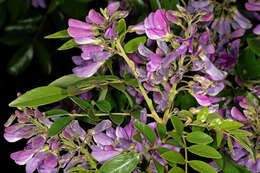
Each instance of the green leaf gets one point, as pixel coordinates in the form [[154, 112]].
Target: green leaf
[[161, 129], [219, 136], [201, 166], [59, 34], [239, 132], [229, 124], [146, 131], [203, 114], [66, 81], [44, 57], [21, 28], [56, 113], [248, 67], [158, 166], [59, 125], [118, 86], [176, 170], [170, 4], [21, 60], [245, 143], [68, 45], [173, 156], [117, 119], [230, 146], [53, 5], [185, 114], [3, 14], [199, 137], [103, 105], [83, 104], [39, 96], [138, 138], [176, 139], [177, 124], [155, 4], [205, 151], [123, 163], [174, 142], [254, 44], [212, 116], [251, 98], [132, 45], [121, 28], [17, 8], [131, 82]]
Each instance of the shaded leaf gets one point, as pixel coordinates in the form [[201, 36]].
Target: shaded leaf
[[146, 131], [103, 105], [161, 129], [177, 124], [203, 114], [59, 125]]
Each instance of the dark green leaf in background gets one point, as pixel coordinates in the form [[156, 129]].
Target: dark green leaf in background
[[44, 57], [254, 44], [155, 4], [21, 60]]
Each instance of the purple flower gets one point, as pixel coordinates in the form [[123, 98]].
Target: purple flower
[[44, 162], [38, 3], [90, 61], [19, 131], [95, 17], [82, 32], [156, 25], [110, 31], [205, 44], [74, 130], [236, 114], [22, 157], [252, 5], [113, 7], [211, 70], [154, 63], [256, 30], [206, 101]]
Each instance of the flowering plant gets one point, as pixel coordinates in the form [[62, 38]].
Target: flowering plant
[[172, 93]]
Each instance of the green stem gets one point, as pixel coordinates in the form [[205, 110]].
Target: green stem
[[132, 66], [186, 154], [172, 95]]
